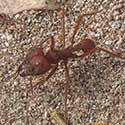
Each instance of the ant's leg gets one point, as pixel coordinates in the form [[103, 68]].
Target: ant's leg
[[111, 53], [66, 91], [52, 43], [43, 41], [75, 29], [42, 81], [63, 26], [51, 19], [46, 40], [76, 26]]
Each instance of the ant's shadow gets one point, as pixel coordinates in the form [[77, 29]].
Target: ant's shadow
[[94, 81], [94, 73]]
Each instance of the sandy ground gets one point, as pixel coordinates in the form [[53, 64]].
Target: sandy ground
[[97, 90]]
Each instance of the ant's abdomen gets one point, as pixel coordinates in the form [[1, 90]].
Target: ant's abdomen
[[35, 63]]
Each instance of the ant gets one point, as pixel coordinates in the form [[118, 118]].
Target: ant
[[37, 62]]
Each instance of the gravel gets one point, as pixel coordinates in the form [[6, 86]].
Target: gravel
[[97, 90]]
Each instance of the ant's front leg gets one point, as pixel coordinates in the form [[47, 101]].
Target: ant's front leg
[[52, 45]]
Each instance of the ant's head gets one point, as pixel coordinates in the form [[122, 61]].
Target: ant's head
[[35, 63], [87, 44]]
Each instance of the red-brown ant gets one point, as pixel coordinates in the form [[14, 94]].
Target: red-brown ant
[[37, 62]]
